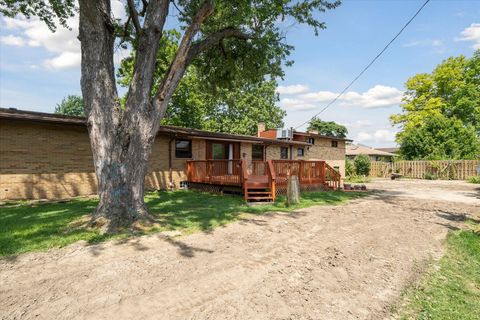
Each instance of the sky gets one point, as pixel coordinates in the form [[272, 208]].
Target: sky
[[38, 68]]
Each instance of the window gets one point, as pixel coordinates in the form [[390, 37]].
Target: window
[[334, 144], [257, 152], [183, 148], [311, 140], [284, 153], [300, 152], [218, 151]]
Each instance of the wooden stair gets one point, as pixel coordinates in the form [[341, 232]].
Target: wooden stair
[[258, 194], [257, 189]]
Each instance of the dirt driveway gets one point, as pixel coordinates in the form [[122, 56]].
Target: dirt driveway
[[343, 262]]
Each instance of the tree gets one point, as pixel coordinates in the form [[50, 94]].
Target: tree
[[328, 128], [362, 164], [439, 137], [450, 95], [71, 105], [235, 109], [225, 40]]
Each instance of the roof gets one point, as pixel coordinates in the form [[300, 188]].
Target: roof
[[391, 150], [14, 114], [353, 150], [311, 134]]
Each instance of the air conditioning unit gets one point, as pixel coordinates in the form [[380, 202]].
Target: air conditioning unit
[[285, 134]]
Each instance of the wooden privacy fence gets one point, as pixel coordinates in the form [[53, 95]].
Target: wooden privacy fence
[[443, 169]]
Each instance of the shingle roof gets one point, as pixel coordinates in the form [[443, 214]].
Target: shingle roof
[[14, 114], [353, 150]]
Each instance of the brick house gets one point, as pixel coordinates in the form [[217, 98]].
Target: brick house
[[48, 156]]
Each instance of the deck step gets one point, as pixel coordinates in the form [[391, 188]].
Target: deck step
[[259, 192], [260, 198]]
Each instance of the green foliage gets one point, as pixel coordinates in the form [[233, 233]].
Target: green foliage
[[71, 106], [358, 179], [475, 179], [328, 128], [349, 168], [430, 176], [49, 11], [236, 109], [362, 165], [447, 97], [450, 291], [439, 137], [32, 227]]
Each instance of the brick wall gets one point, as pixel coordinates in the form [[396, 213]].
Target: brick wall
[[46, 161]]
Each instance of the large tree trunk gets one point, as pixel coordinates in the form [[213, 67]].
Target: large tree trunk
[[120, 179], [120, 140], [122, 137]]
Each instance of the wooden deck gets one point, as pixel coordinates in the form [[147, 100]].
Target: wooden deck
[[259, 180]]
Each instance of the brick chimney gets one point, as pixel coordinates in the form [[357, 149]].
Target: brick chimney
[[260, 128]]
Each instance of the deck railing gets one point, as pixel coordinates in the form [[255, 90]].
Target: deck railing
[[332, 177], [222, 172], [235, 172], [259, 168]]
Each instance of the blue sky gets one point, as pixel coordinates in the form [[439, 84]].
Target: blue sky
[[37, 68]]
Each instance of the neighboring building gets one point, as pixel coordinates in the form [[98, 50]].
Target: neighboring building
[[48, 156], [391, 150], [353, 150], [330, 149]]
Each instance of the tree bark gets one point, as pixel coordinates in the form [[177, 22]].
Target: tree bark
[[122, 137], [293, 190], [120, 144]]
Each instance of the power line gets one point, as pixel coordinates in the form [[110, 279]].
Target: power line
[[368, 66]]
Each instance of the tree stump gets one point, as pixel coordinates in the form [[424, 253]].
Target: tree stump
[[293, 190]]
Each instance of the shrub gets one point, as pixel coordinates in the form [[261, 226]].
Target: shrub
[[349, 168], [430, 176], [362, 165], [474, 179]]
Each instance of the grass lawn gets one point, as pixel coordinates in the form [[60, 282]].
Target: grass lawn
[[452, 290], [31, 227]]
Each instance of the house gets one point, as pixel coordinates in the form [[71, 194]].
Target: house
[[48, 156], [353, 150], [394, 150]]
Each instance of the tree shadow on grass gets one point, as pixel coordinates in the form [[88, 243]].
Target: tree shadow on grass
[[51, 225]]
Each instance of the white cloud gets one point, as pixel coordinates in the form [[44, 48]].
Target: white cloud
[[377, 136], [12, 40], [62, 44], [293, 89], [471, 33], [377, 97], [64, 60], [296, 104], [436, 44], [357, 124], [425, 42]]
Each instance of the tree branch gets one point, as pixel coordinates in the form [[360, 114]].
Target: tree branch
[[180, 61], [134, 16], [214, 39]]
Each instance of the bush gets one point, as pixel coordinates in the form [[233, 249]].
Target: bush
[[430, 176], [349, 168], [362, 165], [474, 179], [358, 179]]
